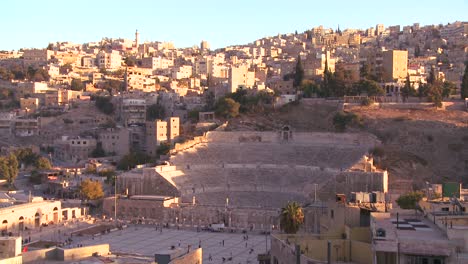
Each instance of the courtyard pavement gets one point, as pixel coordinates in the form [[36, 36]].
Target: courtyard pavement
[[146, 240]]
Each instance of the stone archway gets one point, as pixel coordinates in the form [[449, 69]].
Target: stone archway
[[37, 220], [21, 223]]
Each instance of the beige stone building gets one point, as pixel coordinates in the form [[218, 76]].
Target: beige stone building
[[240, 77], [36, 57], [173, 128], [155, 63], [29, 104], [109, 60], [395, 65], [16, 218], [140, 79], [115, 141], [74, 148], [160, 131], [133, 111]]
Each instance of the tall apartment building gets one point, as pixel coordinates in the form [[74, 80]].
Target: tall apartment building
[[133, 111], [160, 131], [240, 76], [109, 60], [395, 65], [115, 141], [173, 128], [204, 45], [379, 28]]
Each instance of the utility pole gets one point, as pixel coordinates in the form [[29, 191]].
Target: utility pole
[[115, 199]]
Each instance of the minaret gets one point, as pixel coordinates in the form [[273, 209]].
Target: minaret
[[137, 38]]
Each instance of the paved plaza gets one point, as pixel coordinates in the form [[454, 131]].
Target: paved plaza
[[145, 240]]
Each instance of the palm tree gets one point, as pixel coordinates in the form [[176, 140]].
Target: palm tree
[[291, 218]]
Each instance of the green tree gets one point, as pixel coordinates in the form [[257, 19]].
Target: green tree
[[448, 88], [91, 190], [9, 167], [342, 119], [291, 218], [227, 107], [299, 72], [66, 68], [155, 111], [464, 85], [434, 94], [372, 88], [43, 163], [104, 104], [408, 89], [26, 156], [422, 90], [77, 85], [431, 79], [130, 61], [132, 159], [409, 200], [98, 151], [309, 89]]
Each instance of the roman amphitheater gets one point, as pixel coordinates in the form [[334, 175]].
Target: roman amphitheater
[[244, 178]]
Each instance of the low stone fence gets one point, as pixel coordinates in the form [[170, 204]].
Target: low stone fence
[[65, 254]]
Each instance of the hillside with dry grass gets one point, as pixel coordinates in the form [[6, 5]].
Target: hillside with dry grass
[[417, 145]]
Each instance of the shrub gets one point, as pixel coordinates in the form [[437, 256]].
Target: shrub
[[342, 119]]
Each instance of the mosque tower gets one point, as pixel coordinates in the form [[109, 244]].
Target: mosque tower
[[137, 39]]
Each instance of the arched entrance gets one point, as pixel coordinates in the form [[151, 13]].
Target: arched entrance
[[286, 133], [37, 220], [21, 224], [56, 219]]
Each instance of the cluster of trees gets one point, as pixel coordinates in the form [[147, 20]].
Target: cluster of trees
[[91, 190], [434, 90], [113, 86], [9, 164], [77, 85], [335, 84], [241, 102], [343, 119], [409, 200], [339, 84], [9, 168], [14, 72], [132, 159], [154, 112], [104, 104]]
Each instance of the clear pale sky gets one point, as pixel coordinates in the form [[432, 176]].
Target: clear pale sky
[[35, 23]]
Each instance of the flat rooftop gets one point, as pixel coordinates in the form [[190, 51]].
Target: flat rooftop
[[145, 240]]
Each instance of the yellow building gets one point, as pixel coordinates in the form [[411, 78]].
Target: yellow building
[[395, 65]]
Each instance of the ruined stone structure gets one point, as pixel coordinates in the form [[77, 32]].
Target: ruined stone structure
[[244, 178]]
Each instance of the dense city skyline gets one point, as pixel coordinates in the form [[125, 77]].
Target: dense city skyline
[[187, 23]]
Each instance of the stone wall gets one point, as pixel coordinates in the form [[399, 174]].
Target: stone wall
[[194, 256], [13, 260], [81, 252], [188, 144], [40, 254]]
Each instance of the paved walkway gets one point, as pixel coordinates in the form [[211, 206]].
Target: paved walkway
[[145, 240]]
